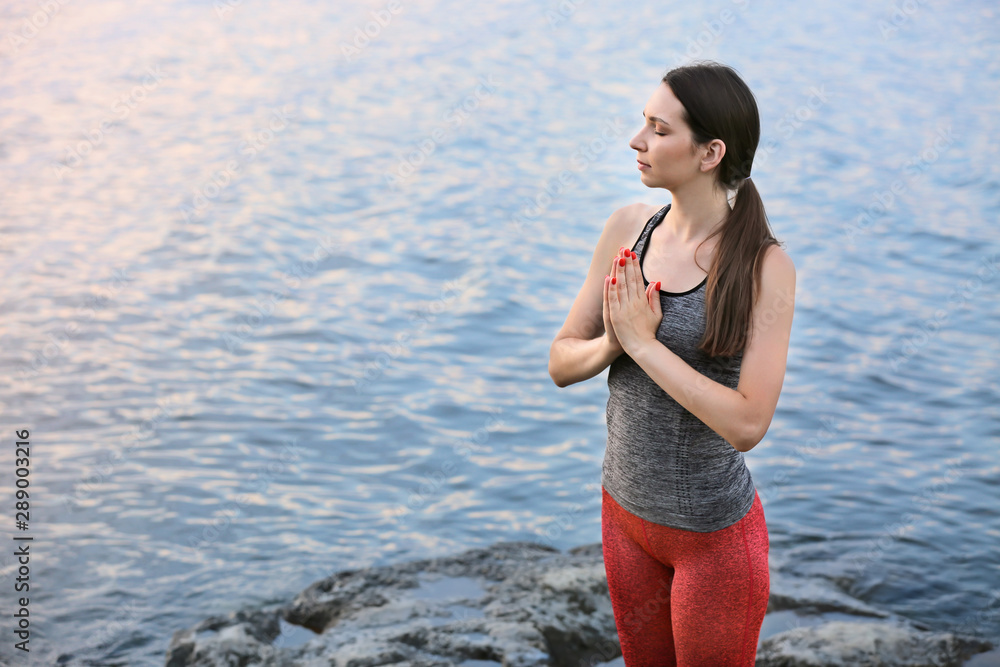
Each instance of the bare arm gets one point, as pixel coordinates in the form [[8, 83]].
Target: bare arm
[[573, 360], [742, 415], [581, 348]]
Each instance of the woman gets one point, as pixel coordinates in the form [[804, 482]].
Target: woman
[[695, 373]]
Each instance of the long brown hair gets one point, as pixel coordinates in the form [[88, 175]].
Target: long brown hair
[[719, 105]]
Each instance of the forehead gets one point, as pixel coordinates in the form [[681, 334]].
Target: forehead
[[663, 104]]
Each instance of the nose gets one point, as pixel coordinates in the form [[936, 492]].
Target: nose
[[634, 142]]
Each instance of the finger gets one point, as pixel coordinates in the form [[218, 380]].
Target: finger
[[622, 277], [637, 273], [631, 289]]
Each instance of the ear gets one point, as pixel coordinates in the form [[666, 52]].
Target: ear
[[712, 154]]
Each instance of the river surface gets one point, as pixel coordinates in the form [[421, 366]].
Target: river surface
[[280, 281]]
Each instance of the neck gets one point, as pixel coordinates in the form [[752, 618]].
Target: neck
[[696, 209]]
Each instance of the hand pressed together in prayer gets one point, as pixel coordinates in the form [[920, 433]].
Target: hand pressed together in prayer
[[632, 312]]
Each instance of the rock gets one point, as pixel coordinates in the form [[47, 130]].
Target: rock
[[866, 644], [814, 596], [516, 603], [241, 637], [521, 604]]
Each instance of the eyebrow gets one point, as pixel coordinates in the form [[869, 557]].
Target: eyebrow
[[654, 118]]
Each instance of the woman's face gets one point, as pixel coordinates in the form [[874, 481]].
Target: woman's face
[[665, 143]]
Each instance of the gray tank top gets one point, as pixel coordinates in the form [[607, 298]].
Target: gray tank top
[[662, 463]]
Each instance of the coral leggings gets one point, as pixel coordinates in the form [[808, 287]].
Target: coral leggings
[[686, 598]]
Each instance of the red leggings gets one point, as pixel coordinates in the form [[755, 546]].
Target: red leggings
[[686, 598]]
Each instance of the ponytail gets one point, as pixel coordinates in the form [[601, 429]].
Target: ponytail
[[735, 276]]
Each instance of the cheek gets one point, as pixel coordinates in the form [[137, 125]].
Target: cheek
[[662, 154], [670, 149]]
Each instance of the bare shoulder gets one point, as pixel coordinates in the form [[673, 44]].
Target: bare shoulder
[[643, 212], [777, 279], [629, 220], [778, 266], [648, 210]]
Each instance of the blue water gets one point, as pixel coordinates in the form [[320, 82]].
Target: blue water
[[272, 309]]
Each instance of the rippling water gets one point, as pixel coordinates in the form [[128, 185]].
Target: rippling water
[[278, 295]]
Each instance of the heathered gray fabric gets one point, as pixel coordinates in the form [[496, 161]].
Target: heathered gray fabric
[[662, 463]]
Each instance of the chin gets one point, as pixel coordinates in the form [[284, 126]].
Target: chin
[[648, 180]]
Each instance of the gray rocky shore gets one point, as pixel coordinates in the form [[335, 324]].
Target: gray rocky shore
[[521, 604]]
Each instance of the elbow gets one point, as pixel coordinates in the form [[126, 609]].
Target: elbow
[[752, 434], [554, 374], [558, 378], [554, 370]]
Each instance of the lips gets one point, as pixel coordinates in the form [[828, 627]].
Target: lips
[[642, 163]]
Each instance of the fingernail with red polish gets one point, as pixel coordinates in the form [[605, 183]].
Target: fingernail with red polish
[[657, 285], [612, 281], [633, 255], [621, 262]]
